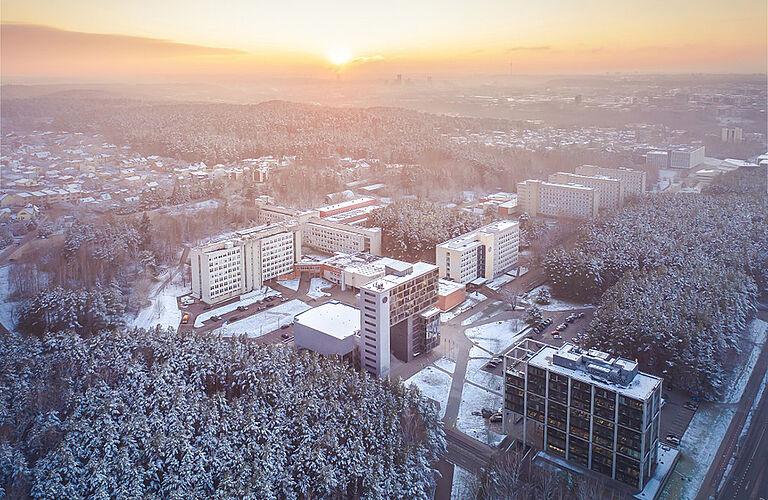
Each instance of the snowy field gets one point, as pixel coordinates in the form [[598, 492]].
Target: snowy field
[[474, 399], [473, 299], [290, 284], [697, 450], [496, 336], [316, 287], [446, 364], [245, 300], [434, 384], [554, 305], [6, 307], [264, 322], [464, 484], [163, 310], [756, 332], [475, 373]]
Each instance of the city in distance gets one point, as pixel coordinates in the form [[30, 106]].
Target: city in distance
[[384, 250]]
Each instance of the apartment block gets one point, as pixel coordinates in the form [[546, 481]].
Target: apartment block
[[684, 156], [611, 190], [243, 262], [585, 406], [634, 180], [486, 252], [398, 315], [558, 200]]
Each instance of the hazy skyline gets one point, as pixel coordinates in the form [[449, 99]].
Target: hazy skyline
[[105, 40]]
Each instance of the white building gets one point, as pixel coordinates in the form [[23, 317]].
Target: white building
[[634, 180], [658, 159], [399, 316], [611, 190], [330, 329], [558, 200], [486, 252], [244, 261]]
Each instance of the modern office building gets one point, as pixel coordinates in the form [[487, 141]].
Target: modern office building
[[557, 200], [733, 135], [244, 261], [486, 252], [683, 156], [634, 180], [398, 314], [611, 190], [330, 329], [585, 406]]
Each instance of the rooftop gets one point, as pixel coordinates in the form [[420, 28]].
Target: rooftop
[[470, 239], [391, 281], [332, 318]]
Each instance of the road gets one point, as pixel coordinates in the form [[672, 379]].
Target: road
[[466, 452]]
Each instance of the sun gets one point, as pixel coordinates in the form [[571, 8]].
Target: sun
[[339, 56]]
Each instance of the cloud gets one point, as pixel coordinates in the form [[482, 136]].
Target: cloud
[[32, 40], [529, 48]]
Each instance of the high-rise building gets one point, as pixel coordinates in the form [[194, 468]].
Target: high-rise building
[[584, 406], [398, 314], [634, 180], [732, 135], [558, 200], [486, 252], [243, 262], [611, 190]]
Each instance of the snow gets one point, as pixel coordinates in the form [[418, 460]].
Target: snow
[[434, 384], [756, 332], [245, 300], [472, 300], [163, 309], [499, 281], [191, 208], [496, 336], [475, 373], [463, 485], [474, 399], [554, 305], [446, 364], [6, 306], [472, 319], [290, 284], [666, 459], [697, 450], [264, 322], [316, 287]]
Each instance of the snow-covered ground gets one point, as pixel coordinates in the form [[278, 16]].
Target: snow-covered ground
[[756, 333], [554, 304], [474, 399], [473, 299], [697, 450], [463, 485], [191, 208], [434, 384], [446, 364], [245, 300], [290, 284], [496, 336], [6, 307], [163, 309], [499, 281], [264, 322], [316, 287], [475, 373]]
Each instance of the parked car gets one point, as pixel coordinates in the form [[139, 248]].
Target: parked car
[[672, 439], [580, 315], [556, 336], [688, 405], [562, 326], [285, 335], [496, 417], [285, 326], [216, 317], [185, 319], [242, 308], [284, 299], [570, 319]]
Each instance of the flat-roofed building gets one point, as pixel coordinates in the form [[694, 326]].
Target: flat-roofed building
[[595, 410], [330, 237], [558, 200], [243, 261], [611, 190], [486, 252], [346, 206], [399, 316], [634, 180], [330, 329]]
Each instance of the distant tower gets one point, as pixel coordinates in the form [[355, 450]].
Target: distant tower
[[399, 79]]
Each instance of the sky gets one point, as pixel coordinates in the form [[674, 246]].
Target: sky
[[117, 39]]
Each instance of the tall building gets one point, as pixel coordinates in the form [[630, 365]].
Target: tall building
[[486, 252], [611, 190], [584, 406], [732, 135], [634, 180], [243, 262], [558, 200], [398, 314], [683, 156], [658, 159]]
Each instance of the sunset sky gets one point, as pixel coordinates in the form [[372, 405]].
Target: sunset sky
[[111, 39]]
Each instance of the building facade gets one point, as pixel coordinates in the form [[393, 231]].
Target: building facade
[[611, 190], [486, 252], [585, 406], [243, 262], [398, 315], [634, 180], [558, 200]]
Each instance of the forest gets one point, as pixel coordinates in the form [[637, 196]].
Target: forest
[[135, 413]]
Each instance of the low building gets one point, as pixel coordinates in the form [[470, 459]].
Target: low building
[[486, 252], [584, 406], [450, 294], [330, 329]]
